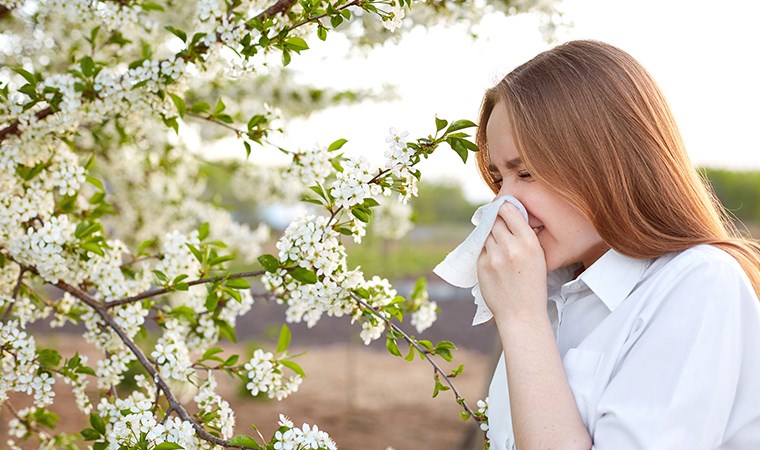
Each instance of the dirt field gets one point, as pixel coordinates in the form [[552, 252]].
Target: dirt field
[[363, 397]]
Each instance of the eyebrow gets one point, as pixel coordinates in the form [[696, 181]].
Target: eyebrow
[[512, 164]]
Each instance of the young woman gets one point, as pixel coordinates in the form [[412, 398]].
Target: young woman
[[650, 338]]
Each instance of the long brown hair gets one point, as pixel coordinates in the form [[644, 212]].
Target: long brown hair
[[590, 122]]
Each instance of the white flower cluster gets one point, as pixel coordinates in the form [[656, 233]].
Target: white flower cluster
[[106, 275], [45, 249], [109, 15], [288, 437], [392, 220], [64, 84], [177, 259], [314, 245], [65, 174], [399, 161], [425, 316], [78, 384], [381, 293], [396, 15], [110, 371], [265, 374], [209, 402], [171, 353], [483, 411], [133, 417], [311, 166], [264, 184], [353, 183], [18, 366]]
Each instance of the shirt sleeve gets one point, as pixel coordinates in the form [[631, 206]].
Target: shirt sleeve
[[676, 385]]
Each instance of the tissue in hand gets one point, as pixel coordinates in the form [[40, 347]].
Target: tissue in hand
[[459, 268]]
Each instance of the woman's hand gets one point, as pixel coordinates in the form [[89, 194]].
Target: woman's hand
[[512, 268]]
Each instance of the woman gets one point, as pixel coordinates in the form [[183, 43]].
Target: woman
[[651, 335]]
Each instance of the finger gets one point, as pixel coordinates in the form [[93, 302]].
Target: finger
[[515, 221], [500, 232]]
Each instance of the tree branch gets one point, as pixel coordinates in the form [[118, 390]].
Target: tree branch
[[174, 404], [16, 289], [423, 352], [153, 293], [279, 7], [12, 129]]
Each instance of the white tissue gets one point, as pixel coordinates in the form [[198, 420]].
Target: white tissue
[[459, 268]]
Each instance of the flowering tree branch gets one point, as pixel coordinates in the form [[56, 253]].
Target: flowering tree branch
[[422, 351], [174, 404], [157, 292]]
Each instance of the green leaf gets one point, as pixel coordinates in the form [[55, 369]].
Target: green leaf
[[195, 252], [88, 434], [212, 301], [440, 124], [303, 275], [269, 262], [296, 44], [95, 182], [362, 214], [199, 107], [168, 446], [226, 330], [48, 357], [464, 415], [285, 57], [336, 20], [392, 347], [97, 423], [209, 354], [247, 146], [172, 123], [151, 6], [177, 32], [220, 259], [144, 245], [160, 275], [219, 107], [337, 145], [370, 202], [457, 145], [294, 367], [237, 283], [321, 32], [179, 103], [284, 340], [459, 125], [93, 247], [88, 66], [245, 441], [203, 231], [231, 360], [28, 76]]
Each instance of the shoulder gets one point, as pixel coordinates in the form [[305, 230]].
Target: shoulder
[[703, 274], [702, 260]]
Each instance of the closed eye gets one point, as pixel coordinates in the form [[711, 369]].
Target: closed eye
[[523, 174]]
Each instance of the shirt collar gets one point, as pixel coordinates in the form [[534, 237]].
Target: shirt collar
[[613, 276]]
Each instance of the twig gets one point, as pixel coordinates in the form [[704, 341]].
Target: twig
[[16, 289], [423, 352], [153, 293], [174, 404]]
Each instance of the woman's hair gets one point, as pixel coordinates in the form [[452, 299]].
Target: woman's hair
[[590, 122]]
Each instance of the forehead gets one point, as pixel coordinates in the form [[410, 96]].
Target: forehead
[[501, 144]]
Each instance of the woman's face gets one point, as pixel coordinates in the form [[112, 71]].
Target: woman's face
[[566, 236]]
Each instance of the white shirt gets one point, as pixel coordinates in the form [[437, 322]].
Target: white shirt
[[659, 354]]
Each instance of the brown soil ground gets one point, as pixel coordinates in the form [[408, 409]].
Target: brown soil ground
[[365, 398]]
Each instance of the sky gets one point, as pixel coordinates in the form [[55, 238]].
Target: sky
[[704, 55]]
